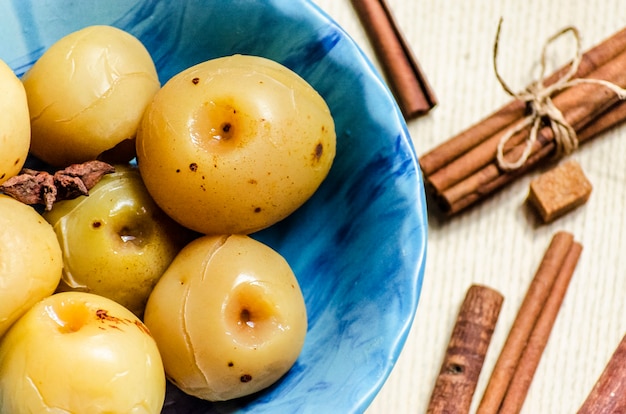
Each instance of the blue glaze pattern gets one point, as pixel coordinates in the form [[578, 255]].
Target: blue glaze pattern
[[358, 246]]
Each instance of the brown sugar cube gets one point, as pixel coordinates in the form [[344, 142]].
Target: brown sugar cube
[[560, 190]]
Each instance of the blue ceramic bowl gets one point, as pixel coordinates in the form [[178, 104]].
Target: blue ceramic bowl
[[358, 246]]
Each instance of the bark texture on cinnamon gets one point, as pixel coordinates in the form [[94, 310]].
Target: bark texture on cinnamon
[[464, 170], [609, 393], [531, 328], [406, 78], [466, 351]]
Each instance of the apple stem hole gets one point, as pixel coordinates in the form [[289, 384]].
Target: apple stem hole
[[70, 316], [246, 318]]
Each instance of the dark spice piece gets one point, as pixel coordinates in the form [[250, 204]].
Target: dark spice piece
[[40, 187]]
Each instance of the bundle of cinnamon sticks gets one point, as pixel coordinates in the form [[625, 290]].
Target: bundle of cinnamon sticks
[[464, 170]]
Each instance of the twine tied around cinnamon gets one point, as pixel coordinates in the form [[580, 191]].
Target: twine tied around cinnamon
[[539, 98]]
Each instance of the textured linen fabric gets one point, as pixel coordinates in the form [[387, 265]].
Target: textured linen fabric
[[500, 242]]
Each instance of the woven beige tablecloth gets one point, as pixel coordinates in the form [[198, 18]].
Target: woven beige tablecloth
[[499, 243]]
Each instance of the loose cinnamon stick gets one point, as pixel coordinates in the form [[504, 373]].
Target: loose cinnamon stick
[[466, 351], [527, 316], [407, 80], [529, 360], [582, 105], [609, 393], [459, 144]]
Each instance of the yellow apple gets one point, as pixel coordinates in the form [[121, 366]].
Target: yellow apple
[[116, 242], [30, 260], [14, 124], [76, 352], [235, 144], [228, 317], [86, 95]]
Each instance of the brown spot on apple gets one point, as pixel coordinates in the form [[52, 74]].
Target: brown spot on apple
[[246, 378], [193, 167], [318, 151], [195, 81], [103, 315], [143, 328]]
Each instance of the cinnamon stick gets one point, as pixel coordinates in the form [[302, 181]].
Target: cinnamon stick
[[529, 360], [528, 314], [609, 393], [466, 351], [407, 80], [502, 118], [477, 174]]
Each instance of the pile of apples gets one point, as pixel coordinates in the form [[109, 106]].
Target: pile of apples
[[153, 275]]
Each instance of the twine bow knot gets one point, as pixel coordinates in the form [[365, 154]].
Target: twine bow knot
[[543, 111]]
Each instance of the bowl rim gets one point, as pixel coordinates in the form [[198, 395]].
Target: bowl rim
[[421, 255]]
